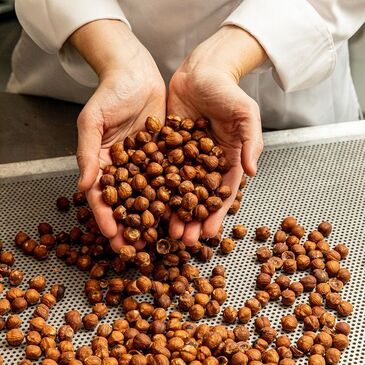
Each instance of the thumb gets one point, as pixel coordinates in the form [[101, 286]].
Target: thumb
[[88, 149], [251, 137]]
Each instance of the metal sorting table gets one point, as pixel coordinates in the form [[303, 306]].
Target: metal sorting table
[[312, 173]]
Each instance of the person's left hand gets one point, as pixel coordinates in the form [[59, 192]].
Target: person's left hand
[[206, 85]]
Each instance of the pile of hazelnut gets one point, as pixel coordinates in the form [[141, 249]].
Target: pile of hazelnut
[[177, 165]]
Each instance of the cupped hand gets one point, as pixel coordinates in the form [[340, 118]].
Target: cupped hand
[[129, 91], [206, 85]]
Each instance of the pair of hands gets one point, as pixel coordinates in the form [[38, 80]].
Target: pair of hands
[[131, 88]]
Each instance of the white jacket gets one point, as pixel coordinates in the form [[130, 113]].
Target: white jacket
[[307, 80]]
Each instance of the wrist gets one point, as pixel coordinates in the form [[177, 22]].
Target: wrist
[[107, 45], [231, 50]]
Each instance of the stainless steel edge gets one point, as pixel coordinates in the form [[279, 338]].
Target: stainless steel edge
[[272, 140]]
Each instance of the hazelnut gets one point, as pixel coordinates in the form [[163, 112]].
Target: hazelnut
[[254, 305], [332, 267], [333, 300], [303, 262], [261, 322], [227, 245], [262, 297], [239, 231], [335, 284], [340, 341], [298, 231], [213, 203], [49, 300], [33, 352], [13, 321], [263, 280], [153, 124], [32, 296], [196, 312], [268, 334], [279, 236], [288, 223], [73, 319], [79, 198], [40, 252], [342, 327], [283, 281], [315, 299], [263, 254], [289, 323], [262, 233], [14, 337], [230, 315], [302, 310], [342, 250], [333, 356], [234, 208], [305, 343], [274, 291], [325, 228], [344, 275], [15, 277], [327, 319], [309, 282], [316, 360], [288, 297], [4, 306], [21, 238], [19, 305], [110, 195], [244, 314], [201, 213], [127, 253], [344, 308], [315, 236], [7, 258], [311, 323]]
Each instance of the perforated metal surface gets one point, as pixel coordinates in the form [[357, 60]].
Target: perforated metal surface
[[313, 183]]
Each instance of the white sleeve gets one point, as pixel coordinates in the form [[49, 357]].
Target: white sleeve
[[50, 22], [300, 36]]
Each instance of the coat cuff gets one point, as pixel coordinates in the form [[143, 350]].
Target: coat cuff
[[294, 36], [50, 22]]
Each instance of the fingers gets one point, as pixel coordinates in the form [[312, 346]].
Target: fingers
[[251, 138], [89, 144], [192, 233], [212, 223], [103, 213], [176, 227]]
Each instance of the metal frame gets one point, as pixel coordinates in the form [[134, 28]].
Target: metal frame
[[272, 140]]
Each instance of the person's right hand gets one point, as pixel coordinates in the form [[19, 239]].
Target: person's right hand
[[130, 89]]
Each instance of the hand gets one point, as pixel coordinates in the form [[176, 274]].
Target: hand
[[130, 89], [206, 85]]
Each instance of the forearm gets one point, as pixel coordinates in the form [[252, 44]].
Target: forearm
[[231, 49], [105, 44]]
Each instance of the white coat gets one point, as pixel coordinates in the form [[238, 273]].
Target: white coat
[[306, 81]]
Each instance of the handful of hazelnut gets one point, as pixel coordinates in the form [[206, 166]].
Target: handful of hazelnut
[[177, 165]]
